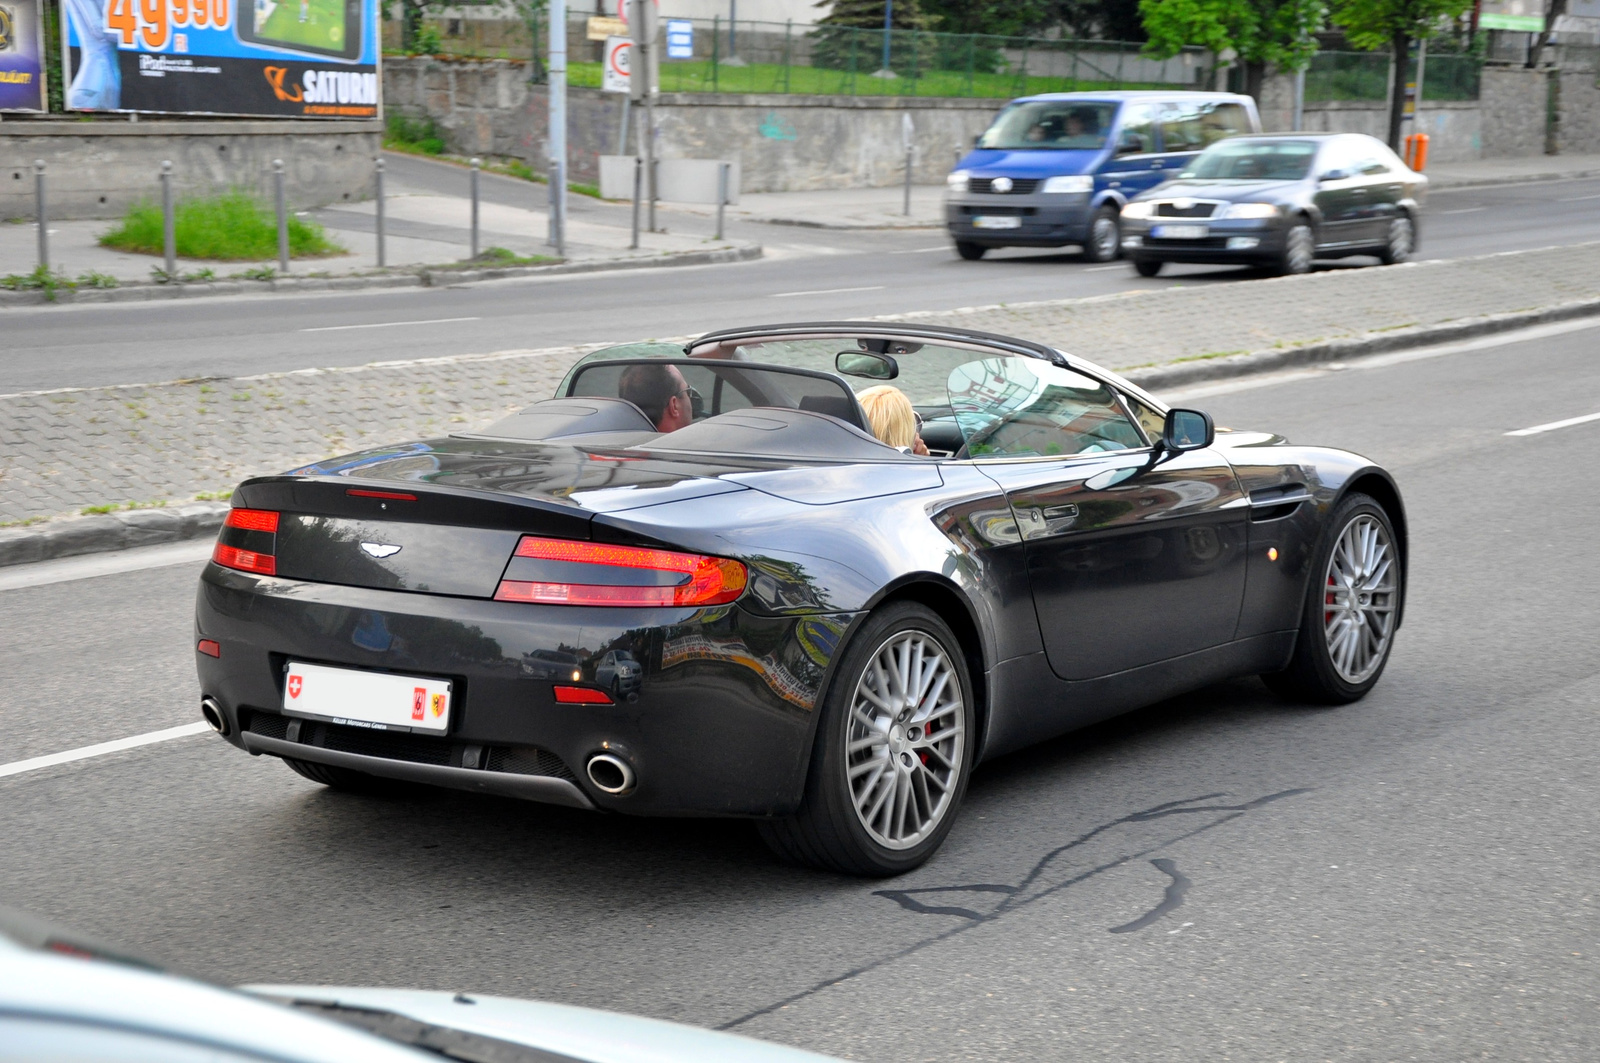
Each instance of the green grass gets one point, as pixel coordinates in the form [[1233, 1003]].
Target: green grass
[[39, 279], [417, 136], [231, 228]]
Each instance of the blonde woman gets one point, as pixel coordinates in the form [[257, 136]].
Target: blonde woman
[[892, 419]]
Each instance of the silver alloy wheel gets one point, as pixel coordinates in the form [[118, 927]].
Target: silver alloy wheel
[[1400, 237], [905, 742], [1104, 236], [1299, 250], [1359, 599]]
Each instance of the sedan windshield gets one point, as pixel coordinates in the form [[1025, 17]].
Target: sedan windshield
[[1254, 160], [1054, 124]]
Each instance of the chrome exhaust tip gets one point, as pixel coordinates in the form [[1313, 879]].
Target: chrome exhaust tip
[[214, 715], [610, 773]]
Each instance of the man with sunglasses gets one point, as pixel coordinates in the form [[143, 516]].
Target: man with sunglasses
[[661, 392]]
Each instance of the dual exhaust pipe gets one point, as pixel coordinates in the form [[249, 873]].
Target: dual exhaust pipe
[[610, 773]]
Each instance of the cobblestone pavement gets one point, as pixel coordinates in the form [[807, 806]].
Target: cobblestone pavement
[[66, 450]]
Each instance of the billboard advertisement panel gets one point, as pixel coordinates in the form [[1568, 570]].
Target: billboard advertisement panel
[[22, 82], [272, 58]]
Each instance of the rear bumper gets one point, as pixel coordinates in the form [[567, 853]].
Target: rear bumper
[[719, 724], [1053, 220]]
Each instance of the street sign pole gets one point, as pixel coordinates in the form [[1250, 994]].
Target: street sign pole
[[642, 73], [558, 125]]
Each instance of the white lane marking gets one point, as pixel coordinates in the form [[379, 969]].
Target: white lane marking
[[149, 738], [1464, 210], [828, 291], [921, 250], [1553, 425], [390, 324], [1102, 269], [61, 570], [1379, 361], [1578, 199]]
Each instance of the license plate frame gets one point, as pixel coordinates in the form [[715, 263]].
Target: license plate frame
[[996, 221], [357, 697], [1180, 232]]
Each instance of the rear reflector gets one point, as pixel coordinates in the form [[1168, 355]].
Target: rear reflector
[[582, 696], [210, 648], [615, 578], [397, 496], [245, 560], [265, 520]]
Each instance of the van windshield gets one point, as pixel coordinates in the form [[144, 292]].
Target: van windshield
[[1050, 124]]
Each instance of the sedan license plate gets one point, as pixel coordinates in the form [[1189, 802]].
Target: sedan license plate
[[367, 699], [996, 221], [1179, 232]]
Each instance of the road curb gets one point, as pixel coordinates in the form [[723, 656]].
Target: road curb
[[1238, 365], [420, 278], [1513, 179], [112, 531]]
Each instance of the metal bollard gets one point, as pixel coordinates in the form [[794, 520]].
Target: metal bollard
[[283, 217], [44, 215], [723, 170], [169, 229], [378, 217], [475, 164], [638, 190]]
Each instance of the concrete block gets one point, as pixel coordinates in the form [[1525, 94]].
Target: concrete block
[[83, 535], [19, 546], [199, 519], [146, 526]]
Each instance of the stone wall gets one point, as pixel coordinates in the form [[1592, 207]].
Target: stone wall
[[1515, 103], [100, 169], [1579, 130]]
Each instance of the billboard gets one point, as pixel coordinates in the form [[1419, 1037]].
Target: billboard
[[273, 58], [22, 83]]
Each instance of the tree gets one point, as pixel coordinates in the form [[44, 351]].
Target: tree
[[850, 36], [1262, 33], [1374, 24]]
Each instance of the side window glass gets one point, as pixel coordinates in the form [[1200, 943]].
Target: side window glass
[[1373, 166], [1180, 128], [1153, 423], [1023, 407], [1218, 121], [1337, 156], [1138, 135]]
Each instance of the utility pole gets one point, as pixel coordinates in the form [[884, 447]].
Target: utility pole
[[642, 74], [558, 125]]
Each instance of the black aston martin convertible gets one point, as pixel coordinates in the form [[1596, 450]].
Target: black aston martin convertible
[[694, 582]]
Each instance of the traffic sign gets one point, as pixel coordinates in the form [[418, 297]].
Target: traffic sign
[[614, 68]]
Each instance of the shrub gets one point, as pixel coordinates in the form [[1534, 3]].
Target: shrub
[[231, 227]]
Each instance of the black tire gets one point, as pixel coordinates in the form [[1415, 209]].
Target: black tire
[[1147, 267], [1105, 236], [350, 781], [1401, 242], [1313, 674], [970, 251], [827, 831], [1299, 249]]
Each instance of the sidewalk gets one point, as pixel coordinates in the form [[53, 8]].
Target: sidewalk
[[166, 444]]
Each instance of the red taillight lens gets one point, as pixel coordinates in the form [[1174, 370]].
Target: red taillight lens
[[582, 696], [244, 560], [396, 496], [264, 520], [209, 647], [673, 578]]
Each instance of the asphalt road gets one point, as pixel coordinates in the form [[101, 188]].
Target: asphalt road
[[1410, 877], [807, 275]]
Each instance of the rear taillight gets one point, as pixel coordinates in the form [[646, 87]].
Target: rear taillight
[[565, 572], [248, 541]]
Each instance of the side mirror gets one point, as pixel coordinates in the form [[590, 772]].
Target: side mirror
[[977, 141], [1187, 430], [866, 364]]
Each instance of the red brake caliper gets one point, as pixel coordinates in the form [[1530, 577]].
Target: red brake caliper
[[1327, 599]]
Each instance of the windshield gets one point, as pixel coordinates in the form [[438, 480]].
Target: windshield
[[1254, 160], [1052, 124], [1021, 407]]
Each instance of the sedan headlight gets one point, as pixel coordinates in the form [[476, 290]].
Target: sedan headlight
[[1076, 183], [1138, 210], [1252, 210], [957, 181]]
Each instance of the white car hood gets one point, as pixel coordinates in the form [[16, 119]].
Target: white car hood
[[580, 1033]]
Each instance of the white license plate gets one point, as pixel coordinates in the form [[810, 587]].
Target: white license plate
[[367, 699], [996, 221], [1179, 232]]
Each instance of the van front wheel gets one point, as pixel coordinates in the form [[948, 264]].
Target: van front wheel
[[1105, 236]]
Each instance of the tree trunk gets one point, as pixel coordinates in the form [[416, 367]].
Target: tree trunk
[[1397, 102], [1255, 77], [1537, 48]]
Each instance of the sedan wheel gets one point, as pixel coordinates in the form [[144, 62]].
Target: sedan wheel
[[1105, 236], [1299, 250], [970, 251], [1402, 241], [892, 755], [1351, 610]]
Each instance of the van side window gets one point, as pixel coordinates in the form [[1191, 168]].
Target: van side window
[[1138, 136], [1219, 121], [1180, 127]]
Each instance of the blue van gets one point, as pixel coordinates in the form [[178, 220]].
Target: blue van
[[1055, 169]]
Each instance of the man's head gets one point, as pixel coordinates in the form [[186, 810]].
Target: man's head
[[661, 392]]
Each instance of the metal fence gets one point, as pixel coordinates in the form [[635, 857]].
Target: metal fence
[[1365, 76]]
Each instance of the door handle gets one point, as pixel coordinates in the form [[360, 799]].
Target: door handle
[[1057, 512], [1155, 165]]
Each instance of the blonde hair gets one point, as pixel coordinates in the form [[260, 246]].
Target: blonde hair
[[890, 414]]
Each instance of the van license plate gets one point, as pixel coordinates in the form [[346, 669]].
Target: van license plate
[[1179, 232], [367, 699], [996, 221]]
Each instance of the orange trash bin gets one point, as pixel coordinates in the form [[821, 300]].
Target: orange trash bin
[[1417, 151]]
